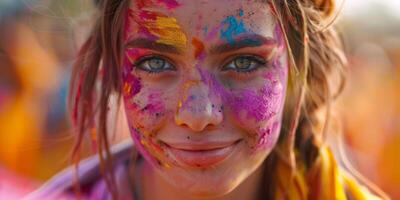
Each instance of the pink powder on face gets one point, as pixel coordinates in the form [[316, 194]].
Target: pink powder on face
[[259, 104], [142, 119], [278, 35], [131, 83], [155, 103], [169, 4], [266, 136], [132, 18], [144, 18], [213, 33]]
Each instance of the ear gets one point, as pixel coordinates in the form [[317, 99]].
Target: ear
[[326, 7]]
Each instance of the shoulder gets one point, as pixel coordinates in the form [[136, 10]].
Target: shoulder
[[324, 180], [333, 182], [61, 186]]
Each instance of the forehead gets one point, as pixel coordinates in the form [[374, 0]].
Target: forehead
[[204, 19]]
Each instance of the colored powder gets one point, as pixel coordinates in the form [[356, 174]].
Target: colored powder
[[185, 99], [164, 28], [233, 27], [258, 105], [241, 13], [142, 3], [262, 105], [140, 144], [169, 4], [278, 34], [213, 32], [155, 104], [205, 31], [131, 54], [265, 138], [131, 84], [199, 47]]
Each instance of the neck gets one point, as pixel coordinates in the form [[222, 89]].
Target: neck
[[154, 187]]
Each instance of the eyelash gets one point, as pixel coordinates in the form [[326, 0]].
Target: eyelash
[[144, 59], [260, 62]]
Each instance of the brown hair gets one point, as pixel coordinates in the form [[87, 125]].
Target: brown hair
[[315, 52]]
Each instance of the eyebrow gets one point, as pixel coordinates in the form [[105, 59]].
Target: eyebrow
[[146, 43], [244, 41]]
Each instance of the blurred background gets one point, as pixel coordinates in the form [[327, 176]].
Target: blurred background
[[38, 41]]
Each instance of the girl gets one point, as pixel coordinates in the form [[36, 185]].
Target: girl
[[221, 98]]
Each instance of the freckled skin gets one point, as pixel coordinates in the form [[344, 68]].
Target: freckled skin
[[198, 100]]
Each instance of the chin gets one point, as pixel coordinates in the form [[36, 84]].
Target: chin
[[210, 188], [212, 182]]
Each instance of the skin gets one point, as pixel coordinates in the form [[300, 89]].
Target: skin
[[205, 89]]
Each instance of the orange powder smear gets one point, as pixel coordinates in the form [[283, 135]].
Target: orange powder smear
[[127, 88], [187, 85], [199, 47]]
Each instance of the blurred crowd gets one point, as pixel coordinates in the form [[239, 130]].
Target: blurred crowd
[[38, 41]]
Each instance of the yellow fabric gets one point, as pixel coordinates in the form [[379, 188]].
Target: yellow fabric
[[325, 181]]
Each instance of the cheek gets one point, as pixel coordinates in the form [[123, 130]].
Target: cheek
[[258, 105], [259, 112], [145, 111], [258, 109], [144, 106]]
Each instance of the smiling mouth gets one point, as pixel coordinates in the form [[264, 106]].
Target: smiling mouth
[[201, 155]]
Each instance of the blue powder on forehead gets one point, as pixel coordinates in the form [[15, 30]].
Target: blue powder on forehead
[[205, 31], [241, 13], [232, 28]]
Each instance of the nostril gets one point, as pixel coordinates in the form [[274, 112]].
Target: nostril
[[210, 127]]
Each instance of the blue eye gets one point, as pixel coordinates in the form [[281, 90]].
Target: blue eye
[[245, 64], [154, 65]]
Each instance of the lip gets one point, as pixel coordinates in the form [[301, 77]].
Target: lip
[[201, 154]]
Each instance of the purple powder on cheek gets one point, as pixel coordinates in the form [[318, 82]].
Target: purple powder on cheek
[[268, 136], [131, 84], [259, 105], [155, 103]]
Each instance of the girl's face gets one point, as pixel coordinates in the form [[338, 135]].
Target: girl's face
[[204, 84]]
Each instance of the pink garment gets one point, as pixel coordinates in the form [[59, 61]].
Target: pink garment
[[13, 186], [93, 185]]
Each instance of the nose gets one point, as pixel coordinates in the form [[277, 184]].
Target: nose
[[197, 108]]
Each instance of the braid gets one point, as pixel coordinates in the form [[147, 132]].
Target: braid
[[315, 55]]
